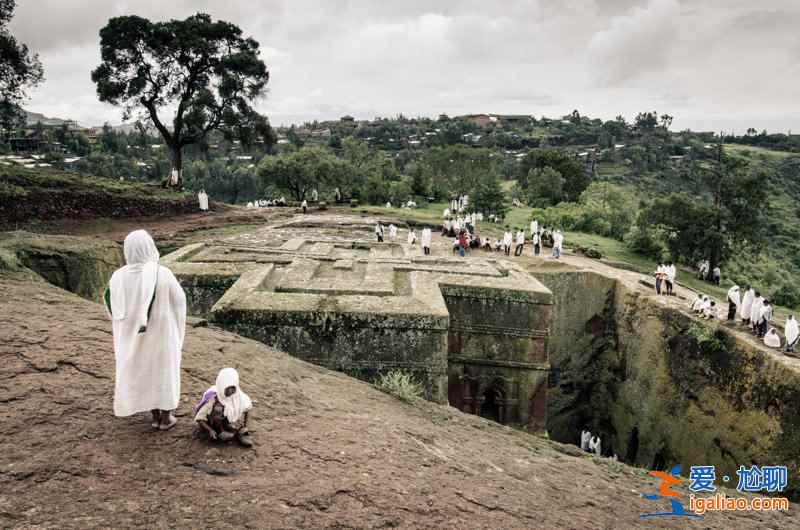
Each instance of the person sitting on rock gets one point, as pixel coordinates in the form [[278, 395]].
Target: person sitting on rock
[[709, 310], [772, 339], [223, 410]]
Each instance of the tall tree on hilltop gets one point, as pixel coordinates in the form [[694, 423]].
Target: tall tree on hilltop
[[19, 70], [203, 73], [730, 216]]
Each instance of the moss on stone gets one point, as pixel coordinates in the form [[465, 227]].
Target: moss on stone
[[81, 266]]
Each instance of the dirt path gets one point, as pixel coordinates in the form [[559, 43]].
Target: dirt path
[[331, 452]]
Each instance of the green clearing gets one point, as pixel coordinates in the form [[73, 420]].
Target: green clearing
[[17, 182]]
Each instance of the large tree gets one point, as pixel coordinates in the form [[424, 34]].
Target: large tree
[[202, 73], [575, 177], [729, 216], [488, 196], [301, 171], [19, 70]]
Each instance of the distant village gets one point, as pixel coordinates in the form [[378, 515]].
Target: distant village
[[52, 142]]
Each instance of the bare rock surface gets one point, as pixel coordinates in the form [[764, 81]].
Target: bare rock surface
[[331, 452]]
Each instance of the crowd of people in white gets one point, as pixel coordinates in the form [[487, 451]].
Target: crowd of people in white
[[463, 229], [753, 311], [268, 203]]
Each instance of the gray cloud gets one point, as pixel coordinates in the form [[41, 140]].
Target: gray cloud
[[710, 63]]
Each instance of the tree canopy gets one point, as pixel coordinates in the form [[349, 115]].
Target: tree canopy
[[575, 178], [20, 69], [303, 170], [202, 72], [698, 228]]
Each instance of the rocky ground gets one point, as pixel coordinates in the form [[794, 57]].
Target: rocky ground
[[331, 452]]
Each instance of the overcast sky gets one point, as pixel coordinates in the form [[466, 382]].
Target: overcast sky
[[713, 64]]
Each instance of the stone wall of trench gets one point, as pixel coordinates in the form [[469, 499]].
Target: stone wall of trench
[[75, 264], [662, 388]]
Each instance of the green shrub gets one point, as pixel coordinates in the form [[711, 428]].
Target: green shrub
[[399, 384], [603, 209], [787, 295]]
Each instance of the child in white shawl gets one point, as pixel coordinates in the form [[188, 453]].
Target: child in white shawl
[[222, 411]]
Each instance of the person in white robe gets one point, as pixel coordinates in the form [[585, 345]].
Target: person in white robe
[[772, 339], [792, 332], [201, 201], [558, 243], [304, 206], [392, 232], [388, 205], [412, 236], [659, 276], [379, 231], [670, 271], [147, 307], [585, 437], [697, 305], [536, 244], [755, 312], [764, 317], [446, 213], [508, 239], [747, 304], [594, 446], [426, 241], [709, 310], [734, 301], [520, 243], [223, 410], [314, 195], [534, 227]]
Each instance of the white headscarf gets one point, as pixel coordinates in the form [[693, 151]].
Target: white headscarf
[[237, 404], [792, 330], [772, 339], [733, 295], [136, 279]]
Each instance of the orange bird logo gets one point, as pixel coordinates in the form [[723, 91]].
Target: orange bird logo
[[667, 481]]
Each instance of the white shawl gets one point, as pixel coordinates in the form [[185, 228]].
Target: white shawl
[[747, 303], [792, 331], [772, 339], [238, 403], [134, 284], [755, 310], [733, 295], [147, 350]]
